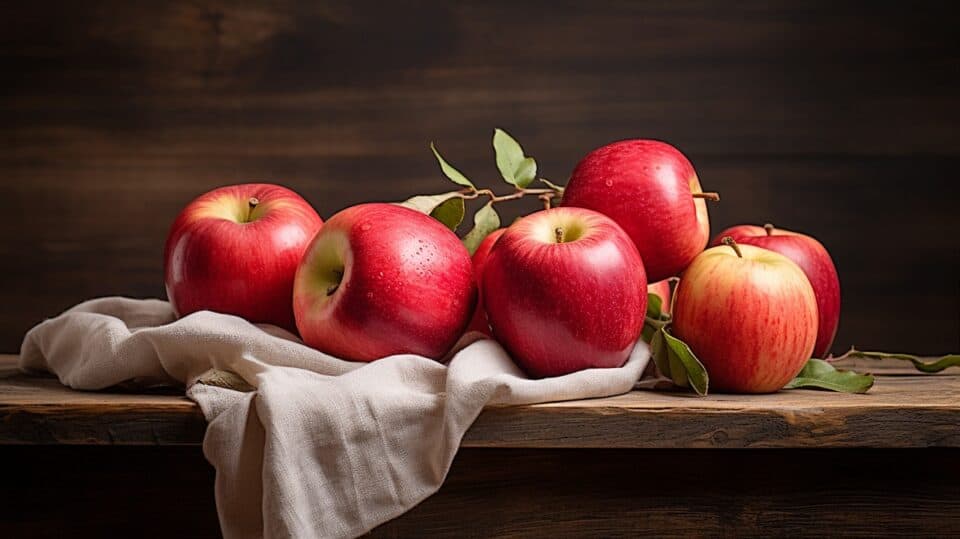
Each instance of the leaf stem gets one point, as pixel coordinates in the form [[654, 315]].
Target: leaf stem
[[656, 323], [559, 189]]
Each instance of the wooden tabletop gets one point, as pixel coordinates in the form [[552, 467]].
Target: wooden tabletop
[[904, 409]]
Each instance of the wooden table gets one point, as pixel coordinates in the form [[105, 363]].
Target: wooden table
[[885, 462]]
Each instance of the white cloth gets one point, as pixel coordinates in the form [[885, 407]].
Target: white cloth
[[320, 447]]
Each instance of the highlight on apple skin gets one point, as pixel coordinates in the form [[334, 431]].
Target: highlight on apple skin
[[479, 321], [813, 259], [750, 316], [236, 249], [381, 280], [651, 190], [565, 290]]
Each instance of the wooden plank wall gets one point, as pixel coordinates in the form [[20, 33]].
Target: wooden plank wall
[[836, 118]]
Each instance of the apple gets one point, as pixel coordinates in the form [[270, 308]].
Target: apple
[[750, 316], [479, 321], [813, 259], [661, 289], [651, 190], [236, 249], [381, 280], [565, 290]]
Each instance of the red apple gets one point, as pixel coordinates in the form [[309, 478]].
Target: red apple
[[749, 314], [479, 321], [661, 289], [565, 290], [651, 190], [236, 249], [380, 280], [815, 262]]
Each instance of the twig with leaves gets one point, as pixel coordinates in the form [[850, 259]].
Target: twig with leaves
[[517, 170]]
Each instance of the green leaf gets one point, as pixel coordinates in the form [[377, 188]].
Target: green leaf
[[427, 203], [448, 208], [648, 333], [676, 361], [929, 366], [820, 374], [450, 213], [677, 371], [485, 221], [655, 318], [694, 371], [453, 174], [526, 172], [516, 168], [654, 306]]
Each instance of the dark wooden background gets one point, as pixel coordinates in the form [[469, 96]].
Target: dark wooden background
[[835, 118]]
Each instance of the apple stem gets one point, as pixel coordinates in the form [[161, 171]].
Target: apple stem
[[559, 232], [251, 205], [769, 228], [727, 240], [708, 196]]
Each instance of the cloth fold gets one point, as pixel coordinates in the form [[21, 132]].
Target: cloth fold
[[321, 447]]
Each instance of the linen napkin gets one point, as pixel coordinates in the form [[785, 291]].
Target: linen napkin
[[320, 447]]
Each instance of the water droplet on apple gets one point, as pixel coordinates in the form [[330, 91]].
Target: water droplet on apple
[[608, 183]]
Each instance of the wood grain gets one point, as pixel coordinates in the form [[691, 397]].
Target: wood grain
[[53, 491], [38, 410], [689, 493], [901, 411], [836, 118]]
